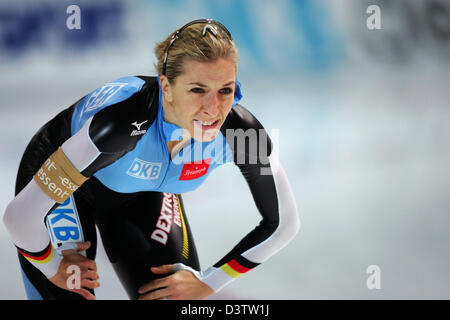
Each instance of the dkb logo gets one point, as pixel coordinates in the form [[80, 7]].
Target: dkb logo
[[64, 224], [144, 170]]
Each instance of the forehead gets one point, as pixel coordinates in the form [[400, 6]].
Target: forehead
[[220, 70]]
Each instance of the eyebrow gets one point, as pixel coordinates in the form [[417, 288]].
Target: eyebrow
[[205, 86]]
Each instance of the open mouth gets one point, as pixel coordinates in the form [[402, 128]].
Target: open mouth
[[206, 125]]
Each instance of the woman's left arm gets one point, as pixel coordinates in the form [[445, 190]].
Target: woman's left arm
[[271, 191], [280, 223]]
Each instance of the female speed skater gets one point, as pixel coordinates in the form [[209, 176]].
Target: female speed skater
[[121, 157]]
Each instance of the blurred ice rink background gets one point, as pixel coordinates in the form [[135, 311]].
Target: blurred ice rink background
[[363, 118]]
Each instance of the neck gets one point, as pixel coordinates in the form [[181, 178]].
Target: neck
[[175, 146], [168, 114]]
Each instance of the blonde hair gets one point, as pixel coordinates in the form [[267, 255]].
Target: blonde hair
[[196, 44]]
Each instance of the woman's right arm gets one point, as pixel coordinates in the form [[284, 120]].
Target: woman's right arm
[[25, 214], [102, 139]]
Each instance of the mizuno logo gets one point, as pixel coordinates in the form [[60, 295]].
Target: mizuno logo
[[138, 127]]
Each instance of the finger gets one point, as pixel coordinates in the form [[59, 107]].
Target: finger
[[90, 284], [166, 268], [156, 295], [90, 264], [79, 246], [82, 246], [67, 248], [69, 251], [89, 274], [153, 285], [85, 294]]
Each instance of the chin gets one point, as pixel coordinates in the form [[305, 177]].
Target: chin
[[207, 136]]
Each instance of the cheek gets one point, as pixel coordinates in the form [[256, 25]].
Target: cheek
[[186, 107], [226, 108]]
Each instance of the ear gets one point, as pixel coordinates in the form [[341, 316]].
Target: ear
[[166, 88]]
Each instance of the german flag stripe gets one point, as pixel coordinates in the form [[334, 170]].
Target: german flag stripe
[[234, 269], [42, 257], [230, 271], [236, 266], [245, 262]]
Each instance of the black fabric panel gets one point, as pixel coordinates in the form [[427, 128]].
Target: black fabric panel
[[126, 222], [111, 128], [246, 263], [45, 142], [35, 254], [241, 120], [102, 161], [250, 161]]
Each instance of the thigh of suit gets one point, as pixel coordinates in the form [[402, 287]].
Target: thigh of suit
[[142, 230]]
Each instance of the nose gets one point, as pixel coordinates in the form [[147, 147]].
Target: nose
[[212, 105]]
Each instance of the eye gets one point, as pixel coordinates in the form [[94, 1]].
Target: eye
[[197, 90], [226, 91]]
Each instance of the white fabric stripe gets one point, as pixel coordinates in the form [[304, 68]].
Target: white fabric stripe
[[216, 278], [24, 218], [80, 149], [289, 220]]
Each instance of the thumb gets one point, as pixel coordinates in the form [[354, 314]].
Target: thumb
[[166, 268], [73, 247]]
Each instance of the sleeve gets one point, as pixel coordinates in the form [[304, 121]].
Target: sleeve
[[280, 223], [273, 198], [102, 139]]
